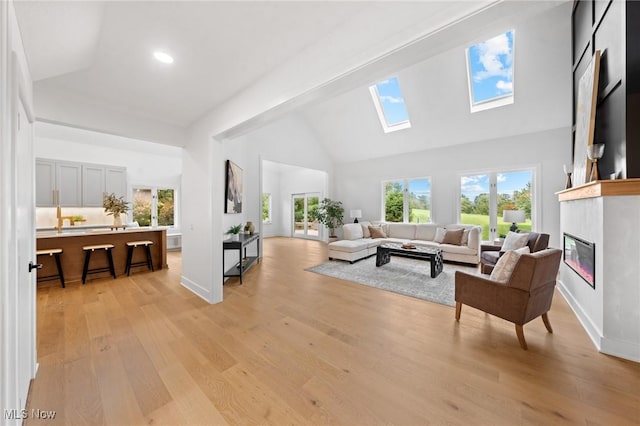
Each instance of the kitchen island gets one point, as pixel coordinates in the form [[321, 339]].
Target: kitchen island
[[71, 242]]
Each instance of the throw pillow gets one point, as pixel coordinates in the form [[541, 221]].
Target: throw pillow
[[514, 241], [453, 236], [506, 264], [440, 234], [377, 232], [365, 229]]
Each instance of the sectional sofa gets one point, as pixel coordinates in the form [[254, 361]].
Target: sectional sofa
[[357, 242]]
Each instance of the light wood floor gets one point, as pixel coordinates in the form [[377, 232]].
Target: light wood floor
[[294, 347]]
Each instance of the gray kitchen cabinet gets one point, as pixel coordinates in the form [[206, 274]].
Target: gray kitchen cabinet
[[98, 180], [92, 185], [77, 184], [45, 183], [116, 181], [69, 184]]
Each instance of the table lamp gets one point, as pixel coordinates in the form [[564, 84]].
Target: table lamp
[[513, 216], [355, 215]]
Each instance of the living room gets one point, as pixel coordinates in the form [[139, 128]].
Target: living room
[[289, 346]]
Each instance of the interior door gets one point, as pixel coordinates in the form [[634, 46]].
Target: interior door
[[25, 228]]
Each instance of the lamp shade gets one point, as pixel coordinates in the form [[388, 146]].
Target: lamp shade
[[355, 214], [513, 216]]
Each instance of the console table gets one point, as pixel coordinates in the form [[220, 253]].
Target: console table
[[245, 262]]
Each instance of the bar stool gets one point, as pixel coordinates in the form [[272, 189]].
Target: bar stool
[[55, 252], [132, 245], [87, 256]]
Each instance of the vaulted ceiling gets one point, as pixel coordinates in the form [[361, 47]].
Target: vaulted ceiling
[[94, 55]]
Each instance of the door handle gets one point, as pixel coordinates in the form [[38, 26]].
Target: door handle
[[33, 266]]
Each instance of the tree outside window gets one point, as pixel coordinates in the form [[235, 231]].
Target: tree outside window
[[154, 206], [266, 208], [407, 200]]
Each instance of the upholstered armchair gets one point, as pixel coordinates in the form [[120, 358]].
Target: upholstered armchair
[[526, 295], [489, 254]]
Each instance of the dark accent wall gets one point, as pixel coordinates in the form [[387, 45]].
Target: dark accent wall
[[611, 26]]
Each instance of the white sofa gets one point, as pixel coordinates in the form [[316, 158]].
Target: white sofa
[[358, 244]]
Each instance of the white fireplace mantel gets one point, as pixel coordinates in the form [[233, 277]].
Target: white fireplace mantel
[[606, 213]]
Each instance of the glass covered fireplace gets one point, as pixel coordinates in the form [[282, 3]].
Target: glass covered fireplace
[[580, 255]]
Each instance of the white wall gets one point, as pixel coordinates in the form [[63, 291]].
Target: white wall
[[75, 110], [202, 212], [358, 184]]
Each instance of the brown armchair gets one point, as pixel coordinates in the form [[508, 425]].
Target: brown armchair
[[489, 254], [526, 295]]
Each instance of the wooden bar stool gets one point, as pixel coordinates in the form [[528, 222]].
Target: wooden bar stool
[[55, 252], [87, 256], [132, 245]]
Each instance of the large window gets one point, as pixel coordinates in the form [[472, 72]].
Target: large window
[[390, 105], [484, 197], [154, 206], [266, 208], [407, 200], [490, 72]]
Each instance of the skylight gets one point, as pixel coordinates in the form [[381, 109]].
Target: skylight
[[390, 106], [490, 72]]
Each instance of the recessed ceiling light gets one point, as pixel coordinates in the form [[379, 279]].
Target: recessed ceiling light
[[163, 57]]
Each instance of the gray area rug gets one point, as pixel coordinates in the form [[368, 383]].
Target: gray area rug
[[410, 277]]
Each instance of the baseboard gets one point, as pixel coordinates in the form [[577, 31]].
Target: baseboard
[[592, 331], [621, 349], [197, 289]]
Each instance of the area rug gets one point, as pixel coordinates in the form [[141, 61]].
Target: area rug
[[410, 277]]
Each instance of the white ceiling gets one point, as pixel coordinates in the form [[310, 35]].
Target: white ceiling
[[246, 63], [103, 50], [437, 97]]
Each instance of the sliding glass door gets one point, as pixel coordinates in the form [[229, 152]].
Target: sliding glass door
[[302, 205], [485, 197]]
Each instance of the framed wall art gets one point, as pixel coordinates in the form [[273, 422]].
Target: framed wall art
[[585, 120], [233, 189]]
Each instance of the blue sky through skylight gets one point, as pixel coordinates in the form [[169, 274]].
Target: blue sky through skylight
[[491, 68], [392, 102]]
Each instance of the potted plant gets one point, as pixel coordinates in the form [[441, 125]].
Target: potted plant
[[115, 206], [329, 213], [234, 231], [77, 219]]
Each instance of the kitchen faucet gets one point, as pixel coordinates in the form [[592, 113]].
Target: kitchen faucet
[[62, 218]]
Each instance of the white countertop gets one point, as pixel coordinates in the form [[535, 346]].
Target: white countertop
[[77, 231]]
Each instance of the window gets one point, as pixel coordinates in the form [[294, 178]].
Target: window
[[266, 208], [407, 200], [484, 197], [390, 105], [154, 206], [490, 72]]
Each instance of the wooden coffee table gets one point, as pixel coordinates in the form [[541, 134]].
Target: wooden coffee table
[[433, 255]]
